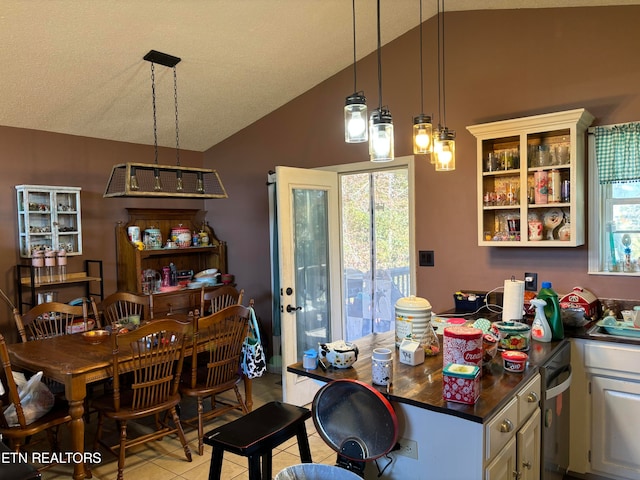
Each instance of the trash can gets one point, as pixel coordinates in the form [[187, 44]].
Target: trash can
[[315, 471]]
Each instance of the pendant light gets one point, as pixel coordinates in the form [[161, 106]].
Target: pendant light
[[380, 123], [422, 128], [355, 107], [163, 181], [444, 148]]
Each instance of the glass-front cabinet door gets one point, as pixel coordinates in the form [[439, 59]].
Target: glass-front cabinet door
[[531, 180], [49, 219]]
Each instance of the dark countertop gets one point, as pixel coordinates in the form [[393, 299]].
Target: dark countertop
[[421, 385]]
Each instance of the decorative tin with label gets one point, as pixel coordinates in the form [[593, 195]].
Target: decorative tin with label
[[461, 383], [462, 345]]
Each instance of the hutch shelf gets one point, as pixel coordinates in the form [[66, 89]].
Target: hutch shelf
[[131, 261]]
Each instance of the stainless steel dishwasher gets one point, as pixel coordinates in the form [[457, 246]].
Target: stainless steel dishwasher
[[556, 378]]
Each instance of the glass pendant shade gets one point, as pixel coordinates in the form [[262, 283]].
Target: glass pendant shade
[[422, 135], [444, 150], [355, 118], [381, 148]]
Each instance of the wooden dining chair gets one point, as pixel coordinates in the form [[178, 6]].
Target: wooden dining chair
[[18, 433], [217, 341], [119, 306], [154, 354], [51, 319], [213, 300]]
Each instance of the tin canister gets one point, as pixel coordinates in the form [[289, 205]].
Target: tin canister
[[541, 191], [134, 233], [412, 315], [462, 345]]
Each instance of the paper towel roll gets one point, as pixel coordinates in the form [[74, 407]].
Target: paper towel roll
[[513, 300]]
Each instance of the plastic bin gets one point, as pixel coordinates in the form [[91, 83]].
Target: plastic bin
[[315, 471]]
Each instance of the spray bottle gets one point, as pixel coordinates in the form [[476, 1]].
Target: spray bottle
[[540, 329]]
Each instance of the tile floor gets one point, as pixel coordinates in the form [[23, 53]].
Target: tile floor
[[165, 460]]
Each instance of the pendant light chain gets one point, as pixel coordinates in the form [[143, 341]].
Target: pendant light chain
[[379, 62], [439, 71], [175, 100], [421, 67], [355, 70], [155, 123], [444, 83]]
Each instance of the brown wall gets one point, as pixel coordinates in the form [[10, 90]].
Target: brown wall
[[499, 64], [40, 158]]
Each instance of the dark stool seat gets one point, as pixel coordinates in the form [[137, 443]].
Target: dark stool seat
[[256, 434]]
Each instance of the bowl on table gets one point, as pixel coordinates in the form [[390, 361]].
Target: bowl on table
[[95, 337]]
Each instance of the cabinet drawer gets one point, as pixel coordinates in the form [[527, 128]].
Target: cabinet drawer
[[610, 356], [501, 428], [528, 399]]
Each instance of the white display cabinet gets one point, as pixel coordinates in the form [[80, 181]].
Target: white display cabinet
[[530, 180], [49, 218]]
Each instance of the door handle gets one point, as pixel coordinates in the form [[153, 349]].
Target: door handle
[[291, 309]]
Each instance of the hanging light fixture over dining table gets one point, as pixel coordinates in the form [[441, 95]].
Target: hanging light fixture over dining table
[[137, 179]]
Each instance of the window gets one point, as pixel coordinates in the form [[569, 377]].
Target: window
[[614, 178], [377, 238]]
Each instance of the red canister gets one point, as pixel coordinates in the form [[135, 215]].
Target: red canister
[[462, 345]]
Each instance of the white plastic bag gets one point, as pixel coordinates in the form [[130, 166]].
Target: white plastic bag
[[35, 397]]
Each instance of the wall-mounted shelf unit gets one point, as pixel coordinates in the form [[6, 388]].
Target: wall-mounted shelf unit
[[49, 219], [530, 177]]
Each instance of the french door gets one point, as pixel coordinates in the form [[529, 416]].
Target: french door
[[309, 265]]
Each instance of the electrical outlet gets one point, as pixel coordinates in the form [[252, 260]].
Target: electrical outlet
[[531, 282], [408, 448], [426, 258]]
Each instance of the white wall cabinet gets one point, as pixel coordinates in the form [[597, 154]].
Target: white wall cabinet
[[530, 178], [49, 218]]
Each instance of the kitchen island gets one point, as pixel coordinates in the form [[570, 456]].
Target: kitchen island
[[453, 440]]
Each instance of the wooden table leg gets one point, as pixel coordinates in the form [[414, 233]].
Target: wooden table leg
[[75, 391], [248, 392]]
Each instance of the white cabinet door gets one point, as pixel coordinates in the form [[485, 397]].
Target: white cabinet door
[[503, 467], [615, 448], [528, 448]]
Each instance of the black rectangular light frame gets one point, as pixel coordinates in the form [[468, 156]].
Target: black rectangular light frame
[[162, 58]]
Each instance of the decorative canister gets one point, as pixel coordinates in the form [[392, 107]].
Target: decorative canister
[[134, 233], [181, 235], [413, 314], [382, 366], [513, 335], [461, 383], [50, 258], [540, 180], [153, 238], [37, 258], [462, 345]]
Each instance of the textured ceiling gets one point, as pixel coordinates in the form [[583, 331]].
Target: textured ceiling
[[76, 66]]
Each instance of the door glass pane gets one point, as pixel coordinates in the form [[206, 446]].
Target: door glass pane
[[375, 236], [311, 255]]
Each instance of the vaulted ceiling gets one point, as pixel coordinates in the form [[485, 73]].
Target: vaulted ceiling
[[77, 67]]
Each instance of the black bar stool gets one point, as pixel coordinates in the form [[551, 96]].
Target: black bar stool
[[256, 434]]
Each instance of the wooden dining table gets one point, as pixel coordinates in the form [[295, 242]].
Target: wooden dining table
[[73, 362]]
